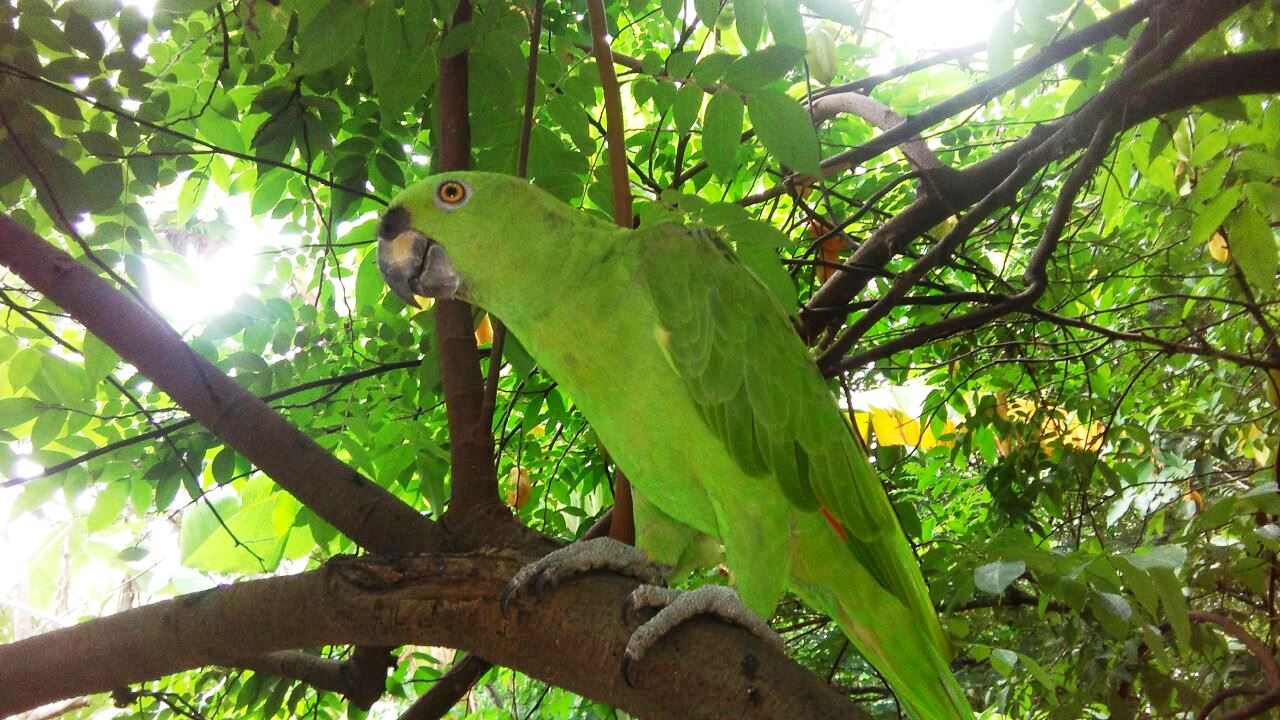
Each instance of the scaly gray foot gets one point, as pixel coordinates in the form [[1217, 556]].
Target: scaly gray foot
[[579, 558], [679, 605]]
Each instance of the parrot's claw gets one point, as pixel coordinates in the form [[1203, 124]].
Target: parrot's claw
[[578, 558], [678, 606]]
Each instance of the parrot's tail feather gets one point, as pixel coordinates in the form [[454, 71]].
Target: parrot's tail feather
[[899, 639]]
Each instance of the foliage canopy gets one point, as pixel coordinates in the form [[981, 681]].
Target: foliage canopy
[[1039, 269]]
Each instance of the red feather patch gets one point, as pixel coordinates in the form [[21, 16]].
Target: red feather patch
[[835, 524]]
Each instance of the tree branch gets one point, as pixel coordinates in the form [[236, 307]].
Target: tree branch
[[879, 115], [571, 639], [622, 527], [1242, 74], [474, 482], [340, 676], [448, 690], [1270, 693], [1117, 23]]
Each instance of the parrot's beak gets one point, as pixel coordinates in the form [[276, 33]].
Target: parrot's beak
[[412, 263]]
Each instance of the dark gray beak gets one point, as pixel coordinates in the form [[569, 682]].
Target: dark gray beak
[[413, 264]]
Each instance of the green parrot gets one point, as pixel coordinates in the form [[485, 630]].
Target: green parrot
[[690, 372]]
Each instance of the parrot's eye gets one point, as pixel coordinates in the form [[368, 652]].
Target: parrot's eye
[[451, 194]]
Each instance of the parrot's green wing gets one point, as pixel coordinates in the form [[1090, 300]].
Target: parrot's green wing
[[727, 336]]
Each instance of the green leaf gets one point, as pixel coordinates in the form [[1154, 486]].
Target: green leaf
[[687, 106], [67, 380], [221, 132], [48, 427], [722, 132], [24, 365], [223, 467], [671, 9], [100, 143], [1253, 247], [1264, 196], [1113, 613], [1041, 675], [108, 506], [414, 77], [712, 67], [99, 358], [785, 23], [1213, 214], [1139, 583], [1004, 661], [190, 196], [783, 126], [459, 39], [334, 31], [384, 42], [1000, 44], [994, 577], [841, 11], [680, 63], [241, 537], [707, 10], [760, 68], [1171, 557], [141, 495], [749, 21], [1175, 606], [16, 411], [269, 26], [133, 553], [369, 284], [83, 36], [105, 185]]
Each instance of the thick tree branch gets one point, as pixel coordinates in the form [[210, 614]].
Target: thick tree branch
[[878, 114], [363, 511], [571, 639]]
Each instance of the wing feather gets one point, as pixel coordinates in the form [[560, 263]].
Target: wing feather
[[759, 392]]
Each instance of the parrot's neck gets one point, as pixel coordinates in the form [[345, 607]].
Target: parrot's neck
[[578, 271]]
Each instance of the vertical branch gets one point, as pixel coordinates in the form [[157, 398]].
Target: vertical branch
[[471, 439], [622, 524], [614, 135], [530, 90], [522, 170], [455, 684]]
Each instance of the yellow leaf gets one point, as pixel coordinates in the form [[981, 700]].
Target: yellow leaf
[[1272, 383], [1218, 248], [518, 492], [484, 331]]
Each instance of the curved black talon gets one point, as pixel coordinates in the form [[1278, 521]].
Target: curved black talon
[[504, 600], [628, 663]]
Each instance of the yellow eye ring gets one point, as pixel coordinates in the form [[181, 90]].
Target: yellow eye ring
[[451, 193]]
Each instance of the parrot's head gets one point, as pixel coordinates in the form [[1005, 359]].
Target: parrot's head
[[461, 234]]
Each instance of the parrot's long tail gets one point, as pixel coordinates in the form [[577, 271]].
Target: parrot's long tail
[[901, 645]]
